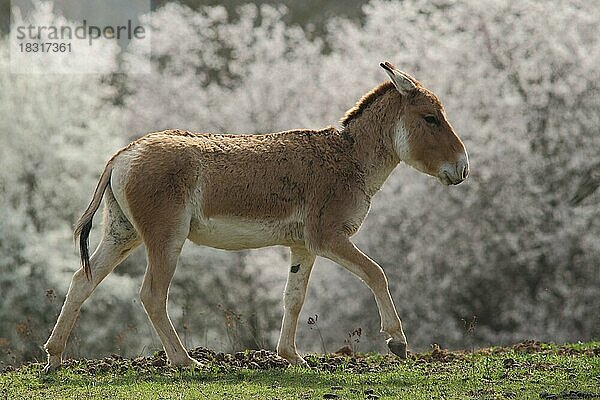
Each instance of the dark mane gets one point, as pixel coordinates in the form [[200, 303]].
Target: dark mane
[[366, 101]]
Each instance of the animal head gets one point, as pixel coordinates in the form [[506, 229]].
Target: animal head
[[423, 138]]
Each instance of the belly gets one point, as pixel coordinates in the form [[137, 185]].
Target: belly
[[230, 233]]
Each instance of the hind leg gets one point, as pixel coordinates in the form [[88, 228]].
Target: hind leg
[[162, 261], [118, 240]]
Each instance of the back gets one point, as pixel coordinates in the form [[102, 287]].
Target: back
[[272, 176]]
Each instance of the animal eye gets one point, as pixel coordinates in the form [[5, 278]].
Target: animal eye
[[431, 119]]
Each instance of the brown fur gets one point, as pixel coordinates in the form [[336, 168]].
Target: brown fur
[[366, 101]]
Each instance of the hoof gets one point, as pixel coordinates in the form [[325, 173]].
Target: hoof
[[295, 359], [189, 363], [397, 347], [298, 361], [50, 368], [52, 365]]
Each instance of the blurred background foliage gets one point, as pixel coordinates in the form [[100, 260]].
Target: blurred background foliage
[[512, 253]]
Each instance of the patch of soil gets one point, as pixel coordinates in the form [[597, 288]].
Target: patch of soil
[[266, 359], [438, 354], [569, 351], [528, 346], [250, 359]]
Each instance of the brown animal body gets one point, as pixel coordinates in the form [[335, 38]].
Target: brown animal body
[[308, 190]]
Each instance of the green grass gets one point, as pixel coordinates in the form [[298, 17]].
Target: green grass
[[509, 373]]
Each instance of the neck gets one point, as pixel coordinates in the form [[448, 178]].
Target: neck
[[373, 149], [371, 124]]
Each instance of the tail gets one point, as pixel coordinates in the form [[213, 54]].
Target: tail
[[84, 224]]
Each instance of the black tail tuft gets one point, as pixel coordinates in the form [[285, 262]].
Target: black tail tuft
[[84, 248]]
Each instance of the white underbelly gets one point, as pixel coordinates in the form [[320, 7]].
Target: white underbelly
[[237, 234]]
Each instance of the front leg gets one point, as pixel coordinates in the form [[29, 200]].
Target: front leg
[[343, 252], [293, 298]]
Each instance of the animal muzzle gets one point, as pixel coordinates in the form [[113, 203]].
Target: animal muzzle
[[454, 173]]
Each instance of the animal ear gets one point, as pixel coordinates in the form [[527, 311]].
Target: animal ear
[[403, 81]]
